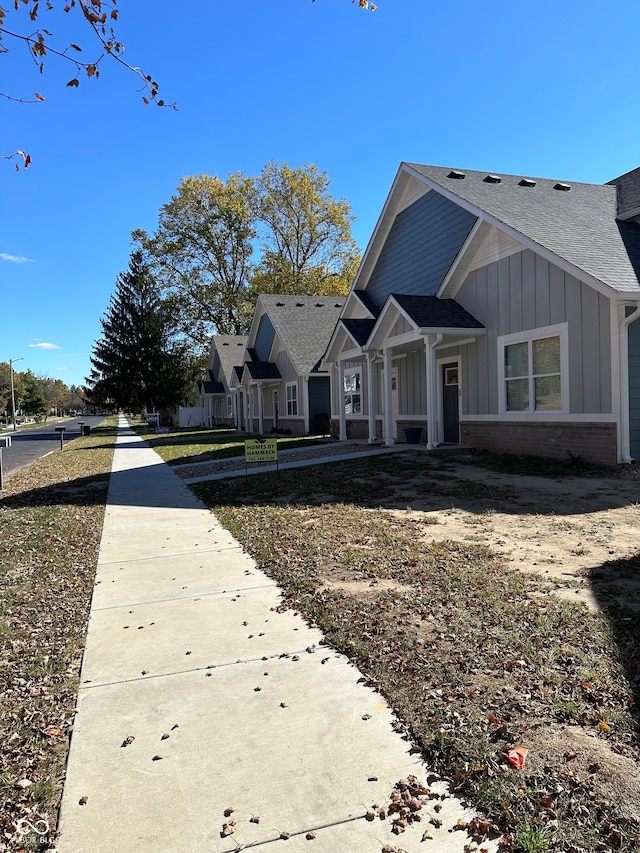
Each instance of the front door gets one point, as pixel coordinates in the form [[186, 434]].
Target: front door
[[450, 410]]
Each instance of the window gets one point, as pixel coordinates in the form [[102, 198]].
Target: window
[[292, 399], [229, 406], [352, 393], [534, 368]]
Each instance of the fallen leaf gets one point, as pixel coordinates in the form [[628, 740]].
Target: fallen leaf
[[157, 757], [517, 756]]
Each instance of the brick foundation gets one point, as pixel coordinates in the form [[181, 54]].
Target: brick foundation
[[594, 442]]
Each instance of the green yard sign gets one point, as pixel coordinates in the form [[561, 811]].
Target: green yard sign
[[261, 450]]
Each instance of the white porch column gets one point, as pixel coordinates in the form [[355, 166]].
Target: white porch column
[[305, 404], [372, 397], [343, 417], [432, 391], [249, 426], [388, 400], [260, 409]]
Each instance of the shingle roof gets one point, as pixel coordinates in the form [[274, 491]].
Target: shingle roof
[[261, 370], [230, 349], [432, 312], [210, 387], [304, 325], [577, 224], [359, 329]]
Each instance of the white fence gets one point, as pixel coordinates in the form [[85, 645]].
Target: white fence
[[191, 416]]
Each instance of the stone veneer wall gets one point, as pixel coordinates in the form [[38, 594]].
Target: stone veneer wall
[[594, 442]]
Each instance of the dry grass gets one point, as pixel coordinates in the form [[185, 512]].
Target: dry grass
[[51, 516], [474, 657]]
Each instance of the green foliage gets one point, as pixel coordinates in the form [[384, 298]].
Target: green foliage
[[202, 252], [138, 363]]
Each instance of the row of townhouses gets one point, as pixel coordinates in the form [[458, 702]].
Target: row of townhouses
[[489, 310]]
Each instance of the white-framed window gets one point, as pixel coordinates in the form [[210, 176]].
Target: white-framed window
[[292, 398], [352, 391], [229, 406], [533, 371]]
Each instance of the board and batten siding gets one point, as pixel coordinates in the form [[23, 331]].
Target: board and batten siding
[[634, 389], [215, 366], [525, 291], [420, 248], [412, 383], [264, 338]]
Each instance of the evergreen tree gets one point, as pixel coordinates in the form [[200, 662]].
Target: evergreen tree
[[137, 363]]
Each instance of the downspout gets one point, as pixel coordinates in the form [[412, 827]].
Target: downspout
[[625, 450], [432, 393], [371, 398]]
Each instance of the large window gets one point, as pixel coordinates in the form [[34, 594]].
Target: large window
[[352, 393], [533, 374], [229, 406], [292, 398]]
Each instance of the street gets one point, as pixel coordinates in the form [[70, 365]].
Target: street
[[27, 445]]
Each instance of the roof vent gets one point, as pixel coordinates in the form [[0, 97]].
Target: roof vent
[[458, 176], [492, 179], [299, 304], [319, 305], [337, 305], [563, 187], [279, 304], [526, 182], [225, 343]]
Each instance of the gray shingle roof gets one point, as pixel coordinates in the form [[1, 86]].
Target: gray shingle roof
[[359, 329], [261, 370], [578, 224], [432, 312], [304, 325], [230, 349]]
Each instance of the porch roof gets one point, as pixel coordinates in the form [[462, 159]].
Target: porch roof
[[260, 371], [430, 312]]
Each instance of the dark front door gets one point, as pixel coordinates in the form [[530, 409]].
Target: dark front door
[[450, 411]]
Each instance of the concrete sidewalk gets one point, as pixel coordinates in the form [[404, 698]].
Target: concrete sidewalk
[[197, 697]]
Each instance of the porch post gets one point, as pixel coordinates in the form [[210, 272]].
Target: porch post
[[343, 417], [372, 402], [432, 391], [260, 409], [388, 400], [249, 409]]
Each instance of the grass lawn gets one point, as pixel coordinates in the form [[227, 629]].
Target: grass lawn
[[190, 446], [51, 514], [475, 657]]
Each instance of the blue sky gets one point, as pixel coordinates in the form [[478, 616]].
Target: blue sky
[[547, 89]]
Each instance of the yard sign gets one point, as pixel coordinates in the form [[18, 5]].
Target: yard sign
[[261, 450]]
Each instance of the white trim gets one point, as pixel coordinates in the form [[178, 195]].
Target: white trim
[[560, 330], [288, 385], [527, 417], [624, 444], [352, 371]]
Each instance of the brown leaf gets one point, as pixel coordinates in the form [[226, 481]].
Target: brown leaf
[[157, 757]]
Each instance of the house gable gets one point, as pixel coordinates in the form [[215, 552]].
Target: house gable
[[264, 338], [420, 248]]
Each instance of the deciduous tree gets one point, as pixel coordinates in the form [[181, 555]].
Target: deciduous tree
[[203, 249], [307, 245]]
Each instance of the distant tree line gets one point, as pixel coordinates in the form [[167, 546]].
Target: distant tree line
[[37, 396]]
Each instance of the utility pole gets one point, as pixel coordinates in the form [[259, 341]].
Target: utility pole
[[12, 361]]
